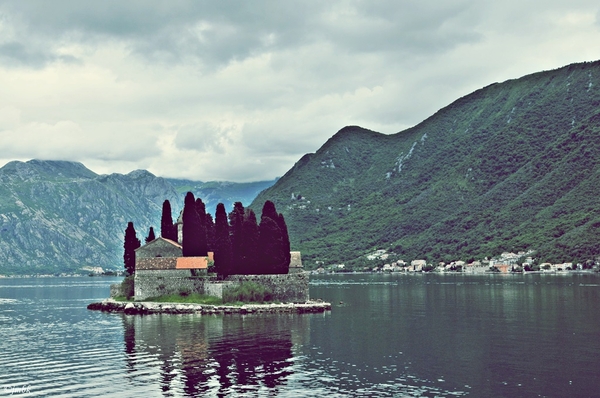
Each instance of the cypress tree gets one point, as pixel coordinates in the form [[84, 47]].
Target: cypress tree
[[167, 229], [150, 236], [191, 229], [274, 241], [202, 241], [270, 244], [250, 244], [286, 245], [209, 224], [236, 219], [269, 210], [222, 245], [130, 243]]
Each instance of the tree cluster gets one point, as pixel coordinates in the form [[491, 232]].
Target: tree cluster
[[241, 245], [255, 248]]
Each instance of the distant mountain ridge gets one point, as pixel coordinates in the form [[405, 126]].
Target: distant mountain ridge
[[512, 166], [57, 216]]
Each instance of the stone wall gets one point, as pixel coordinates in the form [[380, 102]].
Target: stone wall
[[152, 283], [159, 247], [155, 263], [115, 290], [290, 288]]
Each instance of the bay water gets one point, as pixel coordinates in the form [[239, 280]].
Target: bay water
[[422, 335]]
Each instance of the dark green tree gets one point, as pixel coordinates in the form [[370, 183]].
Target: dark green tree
[[274, 241], [249, 245], [150, 236], [202, 237], [285, 267], [222, 243], [270, 243], [236, 220], [209, 225], [130, 244], [167, 229], [192, 229]]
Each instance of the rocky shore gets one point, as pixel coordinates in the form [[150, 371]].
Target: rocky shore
[[147, 308]]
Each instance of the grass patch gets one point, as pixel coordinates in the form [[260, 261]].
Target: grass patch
[[190, 298], [247, 292], [122, 298]]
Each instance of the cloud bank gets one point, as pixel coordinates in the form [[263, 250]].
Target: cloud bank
[[239, 91]]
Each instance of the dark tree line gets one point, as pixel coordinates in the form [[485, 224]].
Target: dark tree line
[[255, 248], [241, 245]]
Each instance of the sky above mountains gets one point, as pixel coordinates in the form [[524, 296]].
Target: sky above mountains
[[240, 90]]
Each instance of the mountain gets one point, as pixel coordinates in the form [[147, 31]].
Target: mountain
[[57, 216], [215, 192], [513, 166]]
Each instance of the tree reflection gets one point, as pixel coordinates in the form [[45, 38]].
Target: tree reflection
[[212, 355], [252, 360], [129, 339]]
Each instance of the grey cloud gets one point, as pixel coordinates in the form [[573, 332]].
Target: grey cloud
[[18, 54], [216, 33], [201, 137]]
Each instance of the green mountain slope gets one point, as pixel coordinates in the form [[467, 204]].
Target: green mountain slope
[[512, 166]]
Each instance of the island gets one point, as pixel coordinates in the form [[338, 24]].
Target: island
[[196, 266]]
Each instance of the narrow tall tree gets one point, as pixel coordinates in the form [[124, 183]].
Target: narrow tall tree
[[192, 229], [236, 219], [222, 245], [209, 225], [202, 241], [250, 244], [130, 243], [150, 236], [285, 267], [274, 241], [167, 229], [270, 244]]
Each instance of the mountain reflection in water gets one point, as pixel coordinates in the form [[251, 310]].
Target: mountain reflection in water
[[215, 354]]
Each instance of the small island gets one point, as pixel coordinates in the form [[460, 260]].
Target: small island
[[226, 267]]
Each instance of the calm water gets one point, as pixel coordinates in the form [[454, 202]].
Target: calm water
[[387, 335]]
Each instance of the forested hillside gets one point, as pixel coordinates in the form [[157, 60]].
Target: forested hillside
[[513, 166]]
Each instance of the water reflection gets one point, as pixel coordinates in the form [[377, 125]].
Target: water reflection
[[218, 355]]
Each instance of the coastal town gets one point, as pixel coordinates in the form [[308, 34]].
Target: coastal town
[[505, 263]]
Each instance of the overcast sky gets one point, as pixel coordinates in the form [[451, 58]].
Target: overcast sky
[[240, 90]]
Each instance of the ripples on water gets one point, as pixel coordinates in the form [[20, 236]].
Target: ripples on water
[[387, 335]]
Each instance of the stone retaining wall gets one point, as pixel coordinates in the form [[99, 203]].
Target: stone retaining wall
[[290, 288], [116, 290], [287, 288], [153, 283]]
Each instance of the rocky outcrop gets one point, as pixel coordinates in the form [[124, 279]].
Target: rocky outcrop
[[147, 308]]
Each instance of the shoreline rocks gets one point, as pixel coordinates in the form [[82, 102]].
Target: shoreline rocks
[[148, 308]]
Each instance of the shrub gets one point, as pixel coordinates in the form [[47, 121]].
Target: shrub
[[247, 292], [127, 287]]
